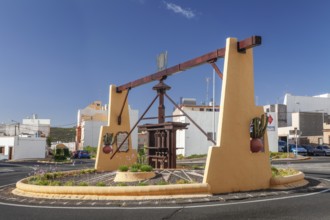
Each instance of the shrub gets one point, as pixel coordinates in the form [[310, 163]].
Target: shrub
[[69, 183], [55, 183], [142, 184], [83, 184], [146, 168], [182, 181], [136, 166], [123, 168], [59, 157], [100, 184], [162, 182], [121, 184], [134, 169]]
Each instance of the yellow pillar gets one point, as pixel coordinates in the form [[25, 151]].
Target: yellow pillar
[[231, 166], [103, 162]]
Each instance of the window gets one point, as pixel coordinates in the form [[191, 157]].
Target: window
[[2, 150]]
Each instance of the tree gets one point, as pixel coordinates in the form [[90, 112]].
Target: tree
[[49, 141]]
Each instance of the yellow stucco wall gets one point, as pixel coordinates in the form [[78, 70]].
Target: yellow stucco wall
[[103, 162], [230, 165]]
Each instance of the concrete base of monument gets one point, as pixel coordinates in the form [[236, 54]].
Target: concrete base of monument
[[287, 182], [112, 192], [133, 176]]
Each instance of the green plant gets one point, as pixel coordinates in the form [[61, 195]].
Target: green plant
[[133, 169], [69, 183], [142, 184], [59, 158], [123, 168], [121, 184], [136, 166], [193, 156], [83, 184], [182, 181], [146, 168], [100, 184], [162, 182], [55, 183], [197, 167], [283, 172], [258, 126], [141, 157]]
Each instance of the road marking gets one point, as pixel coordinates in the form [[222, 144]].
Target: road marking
[[170, 207]]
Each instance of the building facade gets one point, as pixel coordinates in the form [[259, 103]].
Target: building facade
[[26, 140], [89, 121], [192, 141]]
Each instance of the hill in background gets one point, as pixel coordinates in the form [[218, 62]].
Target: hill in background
[[62, 134]]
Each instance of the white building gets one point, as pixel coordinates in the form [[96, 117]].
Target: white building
[[192, 140], [26, 140], [307, 114], [90, 120], [18, 148], [318, 103], [32, 127]]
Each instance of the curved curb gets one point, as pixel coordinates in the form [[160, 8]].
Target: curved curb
[[282, 180], [112, 191]]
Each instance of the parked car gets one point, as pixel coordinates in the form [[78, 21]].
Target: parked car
[[281, 145], [322, 150], [292, 148], [80, 154], [310, 149]]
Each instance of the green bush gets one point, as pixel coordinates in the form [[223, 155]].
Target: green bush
[[134, 169], [142, 184], [123, 168], [136, 166], [121, 184], [69, 183], [100, 184], [83, 184], [59, 157], [182, 181], [146, 168], [55, 183], [162, 182]]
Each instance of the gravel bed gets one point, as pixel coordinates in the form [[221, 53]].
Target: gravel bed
[[163, 177]]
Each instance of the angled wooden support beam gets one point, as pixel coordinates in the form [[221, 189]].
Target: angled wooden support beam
[[219, 53], [216, 68]]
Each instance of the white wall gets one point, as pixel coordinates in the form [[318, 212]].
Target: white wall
[[6, 142], [24, 148], [133, 118], [320, 103], [193, 140], [272, 132], [90, 132]]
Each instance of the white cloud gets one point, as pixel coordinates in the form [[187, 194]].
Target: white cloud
[[188, 13]]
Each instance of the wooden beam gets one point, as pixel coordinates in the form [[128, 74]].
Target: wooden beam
[[219, 53]]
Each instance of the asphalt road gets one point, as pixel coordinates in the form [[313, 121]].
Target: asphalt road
[[314, 205]]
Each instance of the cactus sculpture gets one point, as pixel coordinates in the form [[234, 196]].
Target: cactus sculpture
[[258, 126], [257, 131], [108, 141]]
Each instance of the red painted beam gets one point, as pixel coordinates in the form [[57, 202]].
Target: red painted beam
[[219, 53]]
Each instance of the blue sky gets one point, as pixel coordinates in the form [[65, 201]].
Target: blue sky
[[57, 56]]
